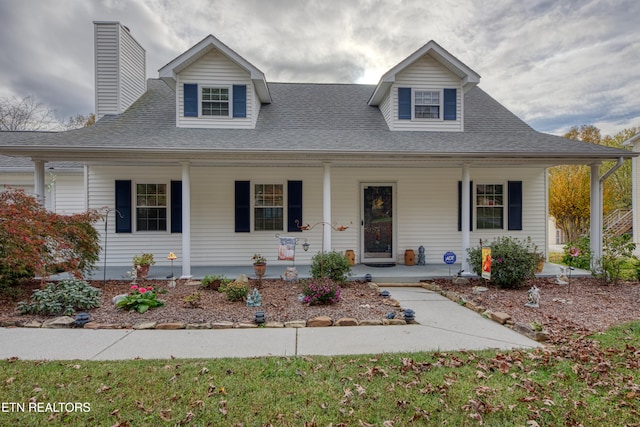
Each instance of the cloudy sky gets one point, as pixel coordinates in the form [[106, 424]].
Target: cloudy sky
[[554, 63]]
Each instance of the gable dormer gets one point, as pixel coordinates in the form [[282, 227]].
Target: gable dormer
[[425, 92], [215, 87]]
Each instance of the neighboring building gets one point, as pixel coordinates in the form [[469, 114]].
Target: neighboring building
[[212, 162]]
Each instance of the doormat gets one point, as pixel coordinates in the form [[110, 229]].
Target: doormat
[[388, 264]]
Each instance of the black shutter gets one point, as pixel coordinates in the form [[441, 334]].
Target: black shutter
[[190, 100], [404, 103], [450, 100], [514, 200], [239, 101], [460, 206], [243, 206], [294, 206], [176, 206], [123, 206]]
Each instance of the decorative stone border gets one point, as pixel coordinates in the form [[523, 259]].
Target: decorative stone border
[[320, 321], [497, 316]]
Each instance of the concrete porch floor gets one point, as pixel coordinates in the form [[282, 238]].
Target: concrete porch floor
[[399, 273]]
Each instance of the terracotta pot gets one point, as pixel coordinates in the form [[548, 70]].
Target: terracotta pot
[[409, 257], [142, 271], [260, 269]]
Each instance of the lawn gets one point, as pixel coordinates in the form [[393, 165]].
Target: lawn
[[584, 381]]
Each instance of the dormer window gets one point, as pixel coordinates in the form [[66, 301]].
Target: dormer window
[[215, 101], [427, 104]]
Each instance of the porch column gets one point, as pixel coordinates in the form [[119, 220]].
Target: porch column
[[326, 208], [38, 180], [465, 223], [596, 214], [186, 220]]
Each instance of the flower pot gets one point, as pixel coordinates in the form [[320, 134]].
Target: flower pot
[[540, 266], [260, 270], [142, 271]]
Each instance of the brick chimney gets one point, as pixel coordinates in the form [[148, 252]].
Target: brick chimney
[[120, 68]]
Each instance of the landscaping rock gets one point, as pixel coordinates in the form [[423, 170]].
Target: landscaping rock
[[431, 287], [222, 325], [320, 321], [499, 317], [346, 321], [242, 279], [395, 322], [32, 324], [171, 326], [118, 298], [274, 325], [243, 325], [199, 326], [371, 322], [460, 281], [5, 323], [145, 325], [60, 322], [295, 324], [92, 325]]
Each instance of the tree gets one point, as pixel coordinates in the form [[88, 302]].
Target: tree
[[24, 114], [569, 185], [36, 242], [79, 121]]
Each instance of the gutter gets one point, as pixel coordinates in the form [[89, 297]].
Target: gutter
[[612, 170]]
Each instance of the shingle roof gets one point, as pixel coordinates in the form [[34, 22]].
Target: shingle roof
[[8, 163], [329, 119]]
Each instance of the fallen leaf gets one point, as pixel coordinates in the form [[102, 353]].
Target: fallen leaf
[[165, 414], [222, 407], [10, 380]]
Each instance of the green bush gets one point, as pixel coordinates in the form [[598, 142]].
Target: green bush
[[141, 299], [513, 261], [333, 265], [214, 282], [616, 252], [583, 260], [235, 291], [64, 297]]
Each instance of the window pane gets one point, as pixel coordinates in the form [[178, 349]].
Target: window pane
[[268, 207], [151, 207], [490, 208]]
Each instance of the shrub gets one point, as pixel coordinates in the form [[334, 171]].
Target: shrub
[[141, 299], [64, 297], [333, 265], [513, 261], [36, 242], [235, 291], [214, 282], [583, 260], [321, 291], [616, 251]]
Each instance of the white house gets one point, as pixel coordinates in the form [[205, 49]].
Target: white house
[[212, 161]]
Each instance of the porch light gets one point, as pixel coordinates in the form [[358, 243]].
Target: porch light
[[305, 245], [385, 294], [409, 315]]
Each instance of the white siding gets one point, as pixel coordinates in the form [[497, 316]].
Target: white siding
[[107, 63], [425, 74], [133, 81], [215, 69], [64, 193], [120, 68], [426, 201]]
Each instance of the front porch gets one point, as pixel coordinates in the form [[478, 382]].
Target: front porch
[[399, 273]]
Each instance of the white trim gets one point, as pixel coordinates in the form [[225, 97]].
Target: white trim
[[201, 87], [186, 219], [465, 221], [134, 205], [326, 206]]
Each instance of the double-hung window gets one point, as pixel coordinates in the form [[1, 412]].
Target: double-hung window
[[215, 101], [490, 206], [151, 207], [426, 104], [268, 207]]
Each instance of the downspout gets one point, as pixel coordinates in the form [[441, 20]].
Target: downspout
[[597, 247]]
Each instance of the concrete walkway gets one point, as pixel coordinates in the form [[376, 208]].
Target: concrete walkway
[[443, 326]]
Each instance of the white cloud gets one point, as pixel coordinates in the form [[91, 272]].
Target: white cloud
[[554, 64]]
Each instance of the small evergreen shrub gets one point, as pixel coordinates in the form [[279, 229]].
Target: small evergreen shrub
[[62, 298], [513, 261], [616, 252], [583, 260], [333, 265], [321, 291], [235, 291], [214, 282]]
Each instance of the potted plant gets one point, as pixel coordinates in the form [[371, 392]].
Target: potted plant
[[141, 264], [259, 265]]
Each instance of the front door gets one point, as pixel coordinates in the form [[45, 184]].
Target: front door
[[377, 241]]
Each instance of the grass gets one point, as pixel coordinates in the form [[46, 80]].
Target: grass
[[592, 381]]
